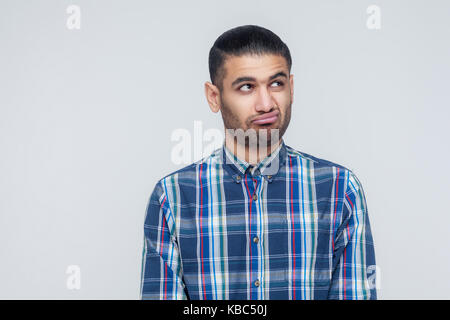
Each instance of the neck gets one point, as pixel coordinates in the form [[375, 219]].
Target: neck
[[249, 154]]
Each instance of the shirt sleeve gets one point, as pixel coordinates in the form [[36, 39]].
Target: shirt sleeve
[[354, 268], [161, 268]]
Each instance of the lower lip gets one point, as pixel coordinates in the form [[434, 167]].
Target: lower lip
[[266, 120]]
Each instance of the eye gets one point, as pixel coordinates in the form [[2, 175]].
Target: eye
[[280, 82], [245, 85]]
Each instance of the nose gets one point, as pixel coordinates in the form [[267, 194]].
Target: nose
[[265, 102]]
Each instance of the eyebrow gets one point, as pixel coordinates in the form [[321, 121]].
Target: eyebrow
[[243, 79]]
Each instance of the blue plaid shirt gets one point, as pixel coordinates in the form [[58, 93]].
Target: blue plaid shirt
[[292, 227]]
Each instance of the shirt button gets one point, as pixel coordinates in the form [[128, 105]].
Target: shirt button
[[255, 197], [255, 239], [238, 178], [257, 283]]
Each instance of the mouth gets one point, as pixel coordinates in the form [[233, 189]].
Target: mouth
[[267, 118]]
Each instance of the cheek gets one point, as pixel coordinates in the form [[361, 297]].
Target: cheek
[[283, 99], [240, 106]]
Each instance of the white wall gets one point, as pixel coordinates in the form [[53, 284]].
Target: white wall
[[86, 118]]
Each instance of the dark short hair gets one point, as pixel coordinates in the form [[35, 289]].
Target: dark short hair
[[248, 39]]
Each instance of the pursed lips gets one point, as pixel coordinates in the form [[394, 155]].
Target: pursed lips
[[266, 118]]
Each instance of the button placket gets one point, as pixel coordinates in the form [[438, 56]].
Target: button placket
[[258, 183], [254, 239]]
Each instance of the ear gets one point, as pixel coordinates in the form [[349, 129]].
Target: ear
[[291, 80], [213, 96]]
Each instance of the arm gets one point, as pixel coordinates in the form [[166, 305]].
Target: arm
[[354, 266], [161, 269]]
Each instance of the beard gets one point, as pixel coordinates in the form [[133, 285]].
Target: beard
[[250, 134]]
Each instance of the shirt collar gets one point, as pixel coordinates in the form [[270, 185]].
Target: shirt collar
[[268, 167]]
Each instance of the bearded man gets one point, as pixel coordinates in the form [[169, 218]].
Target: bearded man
[[256, 219]]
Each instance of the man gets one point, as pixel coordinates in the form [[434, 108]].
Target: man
[[256, 219]]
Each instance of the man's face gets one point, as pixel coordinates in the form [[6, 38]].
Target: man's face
[[254, 87]]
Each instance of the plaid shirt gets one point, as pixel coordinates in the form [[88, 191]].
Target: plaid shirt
[[292, 227]]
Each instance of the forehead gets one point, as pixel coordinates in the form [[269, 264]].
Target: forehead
[[260, 67]]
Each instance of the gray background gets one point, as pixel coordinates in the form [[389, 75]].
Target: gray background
[[86, 118]]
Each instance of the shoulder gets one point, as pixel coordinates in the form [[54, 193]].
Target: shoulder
[[328, 170], [317, 162], [187, 175]]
